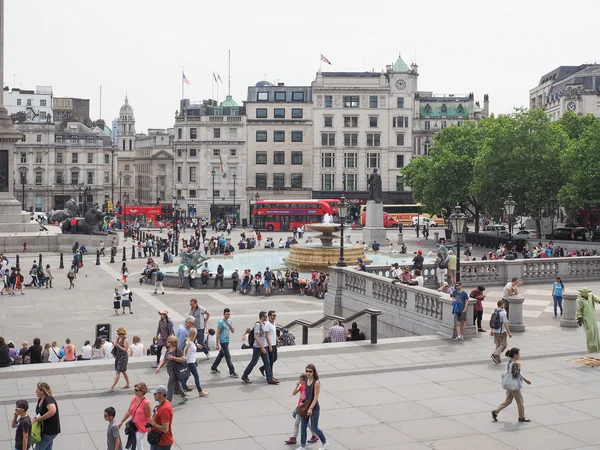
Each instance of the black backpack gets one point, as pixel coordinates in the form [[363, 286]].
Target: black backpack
[[160, 276], [251, 336], [495, 321], [443, 264]]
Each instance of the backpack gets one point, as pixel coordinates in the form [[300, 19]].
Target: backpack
[[159, 276], [251, 336], [443, 264], [235, 276], [495, 321]]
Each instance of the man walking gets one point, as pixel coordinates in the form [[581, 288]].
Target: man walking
[[500, 330], [271, 331], [162, 420], [158, 281], [184, 330], [224, 330], [235, 278], [201, 316], [259, 350], [460, 303]]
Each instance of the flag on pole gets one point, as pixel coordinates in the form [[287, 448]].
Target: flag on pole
[[214, 77], [219, 76], [325, 59], [185, 79]]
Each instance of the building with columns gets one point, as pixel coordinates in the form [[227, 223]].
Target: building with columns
[[154, 166], [126, 128]]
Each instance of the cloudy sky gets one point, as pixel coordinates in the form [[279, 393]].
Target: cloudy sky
[[139, 47]]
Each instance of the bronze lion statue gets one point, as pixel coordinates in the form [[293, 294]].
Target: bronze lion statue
[[90, 224]]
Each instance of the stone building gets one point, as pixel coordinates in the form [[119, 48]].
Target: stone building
[[153, 166], [32, 105], [71, 109], [126, 128]]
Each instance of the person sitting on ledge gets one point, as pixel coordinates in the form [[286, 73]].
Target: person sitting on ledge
[[403, 248], [375, 246], [417, 280]]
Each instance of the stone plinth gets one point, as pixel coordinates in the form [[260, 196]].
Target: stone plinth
[[374, 230], [13, 219], [568, 319], [515, 314]]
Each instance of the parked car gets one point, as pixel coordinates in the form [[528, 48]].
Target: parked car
[[569, 234], [423, 221], [528, 234], [595, 234], [495, 230]]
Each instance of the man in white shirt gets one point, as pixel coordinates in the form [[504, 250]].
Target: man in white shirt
[[107, 345], [271, 331], [511, 288]]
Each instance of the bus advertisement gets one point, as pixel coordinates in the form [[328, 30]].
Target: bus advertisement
[[404, 214], [283, 215]]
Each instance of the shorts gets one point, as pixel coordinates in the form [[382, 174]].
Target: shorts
[[181, 276], [267, 284], [441, 275], [460, 317]]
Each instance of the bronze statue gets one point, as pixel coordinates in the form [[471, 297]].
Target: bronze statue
[[374, 186], [91, 224]]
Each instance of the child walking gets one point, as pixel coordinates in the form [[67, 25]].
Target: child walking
[[113, 436], [300, 388], [22, 422], [124, 273]]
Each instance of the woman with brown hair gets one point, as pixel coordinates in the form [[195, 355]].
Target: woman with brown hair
[[163, 331], [121, 353], [312, 390], [5, 360], [174, 360], [46, 411], [140, 411]]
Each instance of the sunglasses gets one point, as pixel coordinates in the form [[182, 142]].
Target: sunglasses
[[136, 389], [308, 371]]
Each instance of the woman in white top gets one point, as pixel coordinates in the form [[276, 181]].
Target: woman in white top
[[136, 349], [189, 352], [86, 351], [54, 355], [98, 351]]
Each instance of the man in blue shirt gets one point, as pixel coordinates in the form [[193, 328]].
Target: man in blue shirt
[[184, 330], [224, 330], [460, 303]]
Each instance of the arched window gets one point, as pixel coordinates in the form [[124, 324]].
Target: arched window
[[444, 109]]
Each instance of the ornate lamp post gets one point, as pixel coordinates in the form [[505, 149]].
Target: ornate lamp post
[[234, 207], [86, 192], [342, 211], [458, 221], [23, 183], [157, 196], [212, 210], [509, 207]]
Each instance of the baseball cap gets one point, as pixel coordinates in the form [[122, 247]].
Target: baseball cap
[[160, 389]]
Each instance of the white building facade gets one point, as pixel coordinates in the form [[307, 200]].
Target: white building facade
[[33, 105]]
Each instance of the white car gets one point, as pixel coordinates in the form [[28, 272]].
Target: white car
[[495, 230], [423, 221], [528, 234]]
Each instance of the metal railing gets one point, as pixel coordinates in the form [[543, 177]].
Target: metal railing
[[306, 324]]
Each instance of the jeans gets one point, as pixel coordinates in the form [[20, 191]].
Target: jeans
[[477, 317], [173, 380], [256, 354], [314, 424], [46, 442], [194, 373], [200, 340], [160, 447], [557, 302], [224, 352], [272, 357]]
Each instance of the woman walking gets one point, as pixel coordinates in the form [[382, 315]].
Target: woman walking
[[46, 411], [121, 353], [71, 276], [189, 352], [174, 360], [164, 330], [49, 276], [557, 291], [124, 273], [140, 411], [117, 301], [312, 389], [512, 381]]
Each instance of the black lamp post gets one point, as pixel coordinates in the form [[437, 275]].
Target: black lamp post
[[157, 197], [80, 200], [176, 249], [86, 193], [234, 207], [140, 189], [23, 182], [509, 207], [458, 220], [256, 199], [124, 208], [212, 211], [120, 192], [342, 211]]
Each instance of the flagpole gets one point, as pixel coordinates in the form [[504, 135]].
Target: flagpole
[[182, 83], [213, 86], [320, 63]]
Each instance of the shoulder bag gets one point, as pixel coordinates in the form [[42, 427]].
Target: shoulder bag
[[510, 382], [130, 427], [153, 435], [305, 406]]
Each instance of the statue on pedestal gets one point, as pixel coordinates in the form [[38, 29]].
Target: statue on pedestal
[[374, 186]]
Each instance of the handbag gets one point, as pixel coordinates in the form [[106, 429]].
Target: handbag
[[37, 431], [130, 427], [183, 372], [305, 406], [153, 435], [510, 382]]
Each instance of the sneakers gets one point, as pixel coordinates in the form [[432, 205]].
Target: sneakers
[[215, 370], [154, 366], [325, 446], [292, 440], [246, 380], [313, 439], [495, 416], [234, 375], [496, 359], [456, 338], [184, 401], [461, 337]]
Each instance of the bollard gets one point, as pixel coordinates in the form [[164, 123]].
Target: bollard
[[112, 255], [40, 259], [61, 265], [18, 266], [516, 313], [132, 251], [157, 244], [373, 329], [124, 254], [97, 257], [304, 335]]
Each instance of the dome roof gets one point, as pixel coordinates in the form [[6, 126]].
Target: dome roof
[[229, 102], [126, 109]]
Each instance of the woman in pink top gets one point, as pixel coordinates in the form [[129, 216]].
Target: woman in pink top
[[139, 411], [300, 388], [69, 350]]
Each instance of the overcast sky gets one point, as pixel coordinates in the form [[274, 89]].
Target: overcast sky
[[139, 46]]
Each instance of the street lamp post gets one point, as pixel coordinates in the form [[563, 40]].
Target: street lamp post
[[234, 207], [212, 211], [79, 200], [23, 182], [458, 220], [176, 249], [157, 197], [256, 199], [86, 192], [139, 189], [120, 192], [509, 207], [342, 211]]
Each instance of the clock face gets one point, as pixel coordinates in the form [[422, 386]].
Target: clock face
[[400, 84], [571, 106]]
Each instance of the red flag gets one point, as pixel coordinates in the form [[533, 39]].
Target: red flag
[[325, 59]]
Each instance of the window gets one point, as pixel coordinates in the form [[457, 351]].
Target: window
[[38, 178], [327, 181], [278, 157], [373, 122], [18, 102], [193, 178], [38, 157], [297, 136], [179, 133], [296, 180], [179, 174], [400, 122], [261, 157], [329, 101], [29, 102], [23, 158], [261, 180], [38, 138], [178, 192], [279, 113], [278, 180], [373, 140], [59, 178], [399, 183], [400, 102], [127, 167], [443, 124], [427, 125], [328, 139], [350, 139], [106, 177], [233, 152], [350, 101], [328, 121], [459, 123], [350, 160], [297, 113], [90, 158], [216, 133], [193, 193], [179, 151], [351, 121], [42, 102], [261, 113], [90, 178], [399, 161], [216, 152], [261, 136], [373, 160], [280, 96], [351, 181], [400, 139], [328, 160], [296, 158], [297, 96], [59, 158], [262, 96], [43, 115], [106, 159], [278, 136], [426, 146], [128, 180], [193, 133], [74, 158], [75, 177], [193, 153], [372, 101]]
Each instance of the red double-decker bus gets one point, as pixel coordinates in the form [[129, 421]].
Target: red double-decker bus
[[283, 215]]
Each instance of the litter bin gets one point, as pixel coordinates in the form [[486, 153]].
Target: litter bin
[[436, 236], [245, 222], [400, 238], [103, 331]]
